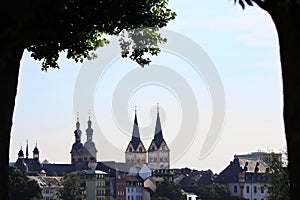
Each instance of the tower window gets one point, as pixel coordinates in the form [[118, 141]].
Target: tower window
[[130, 149], [141, 149]]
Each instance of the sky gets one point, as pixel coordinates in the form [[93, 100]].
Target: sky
[[217, 82]]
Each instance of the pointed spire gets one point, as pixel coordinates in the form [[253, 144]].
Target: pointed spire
[[27, 153], [135, 139], [89, 122], [77, 123], [158, 136]]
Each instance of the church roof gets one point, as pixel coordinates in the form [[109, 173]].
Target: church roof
[[158, 136], [57, 169], [135, 139]]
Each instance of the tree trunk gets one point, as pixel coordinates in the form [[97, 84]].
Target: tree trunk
[[10, 57], [287, 22]]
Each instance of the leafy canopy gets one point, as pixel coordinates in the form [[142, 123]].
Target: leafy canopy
[[21, 187], [168, 190], [71, 187], [79, 27]]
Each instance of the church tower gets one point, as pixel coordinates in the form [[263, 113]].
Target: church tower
[[89, 145], [135, 152], [77, 148], [20, 164], [158, 152]]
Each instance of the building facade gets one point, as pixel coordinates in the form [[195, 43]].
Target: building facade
[[246, 177]]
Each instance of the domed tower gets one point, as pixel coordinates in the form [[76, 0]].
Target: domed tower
[[89, 145], [35, 164], [135, 152], [36, 153], [20, 164], [77, 148], [158, 152]]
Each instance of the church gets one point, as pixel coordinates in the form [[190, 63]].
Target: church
[[158, 154], [84, 156]]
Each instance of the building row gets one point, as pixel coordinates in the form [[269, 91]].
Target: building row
[[142, 170], [102, 179]]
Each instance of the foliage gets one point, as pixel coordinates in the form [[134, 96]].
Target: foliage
[[71, 188], [279, 185], [21, 187], [167, 190], [81, 26], [215, 192]]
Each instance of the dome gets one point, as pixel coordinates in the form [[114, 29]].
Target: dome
[[77, 145], [36, 150], [21, 153]]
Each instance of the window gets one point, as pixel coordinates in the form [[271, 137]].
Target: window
[[262, 190], [235, 189], [140, 149], [255, 189], [247, 189]]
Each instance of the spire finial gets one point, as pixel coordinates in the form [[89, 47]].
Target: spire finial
[[135, 108], [77, 116], [89, 114], [27, 153], [157, 107]]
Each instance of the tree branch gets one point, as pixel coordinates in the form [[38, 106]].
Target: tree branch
[[261, 4]]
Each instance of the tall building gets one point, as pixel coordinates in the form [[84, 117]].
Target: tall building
[[82, 155], [136, 152], [158, 152]]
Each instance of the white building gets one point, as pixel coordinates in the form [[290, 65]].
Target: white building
[[246, 177], [50, 185]]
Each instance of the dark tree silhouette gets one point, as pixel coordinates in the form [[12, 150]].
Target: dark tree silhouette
[[286, 17], [215, 192], [21, 187], [71, 188], [168, 190], [49, 27]]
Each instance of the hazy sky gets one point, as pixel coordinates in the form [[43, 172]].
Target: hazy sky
[[243, 50]]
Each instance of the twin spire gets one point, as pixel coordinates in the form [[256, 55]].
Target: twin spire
[[158, 136], [78, 132]]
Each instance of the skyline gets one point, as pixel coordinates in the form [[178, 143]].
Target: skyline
[[244, 48]]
